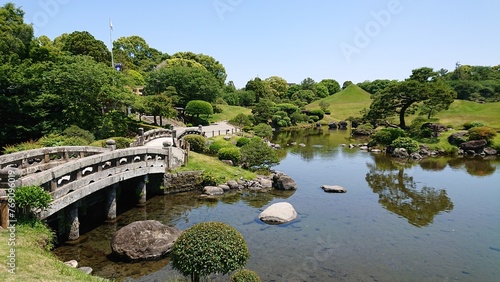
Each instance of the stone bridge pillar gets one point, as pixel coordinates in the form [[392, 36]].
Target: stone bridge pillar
[[74, 223], [141, 191], [111, 203]]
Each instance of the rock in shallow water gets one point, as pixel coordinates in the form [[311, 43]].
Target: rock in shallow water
[[148, 239], [278, 213], [333, 188]]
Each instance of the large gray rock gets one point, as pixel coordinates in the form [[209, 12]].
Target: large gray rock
[[458, 138], [233, 184], [142, 240], [213, 190], [265, 183], [400, 153], [474, 145], [278, 213], [282, 181], [333, 188], [490, 151]]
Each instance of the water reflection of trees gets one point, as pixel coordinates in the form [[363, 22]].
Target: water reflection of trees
[[477, 166], [399, 194], [319, 142]]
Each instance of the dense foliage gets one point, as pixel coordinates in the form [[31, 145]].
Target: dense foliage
[[30, 199], [258, 155], [209, 247], [230, 153], [197, 143], [245, 275]]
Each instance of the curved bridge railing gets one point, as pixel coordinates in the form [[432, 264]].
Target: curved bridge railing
[[145, 137], [37, 160], [190, 131], [75, 180]]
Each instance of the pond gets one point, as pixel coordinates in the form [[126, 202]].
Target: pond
[[434, 220]]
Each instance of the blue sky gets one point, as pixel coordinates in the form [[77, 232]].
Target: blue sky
[[344, 40]]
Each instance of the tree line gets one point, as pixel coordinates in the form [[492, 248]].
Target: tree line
[[49, 85]]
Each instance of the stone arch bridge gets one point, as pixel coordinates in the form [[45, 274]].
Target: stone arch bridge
[[72, 173]]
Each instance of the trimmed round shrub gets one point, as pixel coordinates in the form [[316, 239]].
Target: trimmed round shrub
[[407, 143], [317, 112], [209, 247], [245, 275], [214, 148], [230, 153], [482, 132], [197, 143], [242, 141], [313, 119]]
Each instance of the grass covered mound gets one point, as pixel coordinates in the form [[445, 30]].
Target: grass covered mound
[[30, 248]]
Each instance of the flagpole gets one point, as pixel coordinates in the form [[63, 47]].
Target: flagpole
[[111, 41]]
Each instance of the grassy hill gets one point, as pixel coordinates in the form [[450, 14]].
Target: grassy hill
[[463, 111], [350, 101], [229, 112], [346, 103]]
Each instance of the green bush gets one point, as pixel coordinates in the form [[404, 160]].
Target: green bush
[[263, 130], [471, 124], [482, 132], [75, 131], [54, 140], [313, 119], [197, 143], [317, 112], [407, 143], [30, 198], [209, 247], [199, 107], [245, 275], [241, 120], [257, 155], [214, 148], [386, 136], [242, 142], [230, 153], [246, 128], [114, 123]]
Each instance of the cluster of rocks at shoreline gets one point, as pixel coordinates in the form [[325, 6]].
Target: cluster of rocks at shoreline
[[469, 148], [277, 180]]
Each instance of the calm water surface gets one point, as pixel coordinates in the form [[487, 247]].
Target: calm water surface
[[437, 220]]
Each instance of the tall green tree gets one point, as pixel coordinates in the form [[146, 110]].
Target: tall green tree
[[406, 97], [189, 83], [277, 85], [160, 105], [84, 43], [211, 64], [133, 52], [258, 87], [15, 35], [331, 84]]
